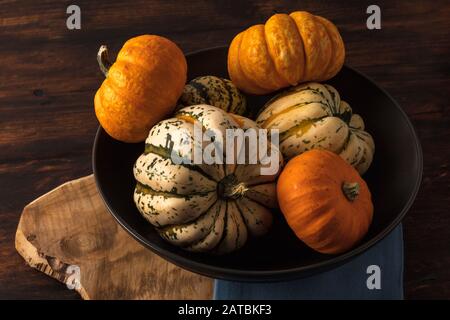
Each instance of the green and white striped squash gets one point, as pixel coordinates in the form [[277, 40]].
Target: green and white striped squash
[[215, 91], [312, 116], [201, 207]]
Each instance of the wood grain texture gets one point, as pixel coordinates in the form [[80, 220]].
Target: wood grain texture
[[48, 78], [70, 226]]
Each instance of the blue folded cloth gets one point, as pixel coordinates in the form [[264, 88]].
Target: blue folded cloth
[[349, 281]]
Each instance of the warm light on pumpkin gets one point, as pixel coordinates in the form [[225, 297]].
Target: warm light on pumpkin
[[141, 87], [286, 51], [325, 201]]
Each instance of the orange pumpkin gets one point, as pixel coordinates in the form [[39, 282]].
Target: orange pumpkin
[[141, 88], [325, 201], [287, 50]]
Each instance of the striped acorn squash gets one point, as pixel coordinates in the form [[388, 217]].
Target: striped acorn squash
[[215, 91], [313, 116], [201, 207]]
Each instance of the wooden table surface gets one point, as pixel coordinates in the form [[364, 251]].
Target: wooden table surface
[[49, 75]]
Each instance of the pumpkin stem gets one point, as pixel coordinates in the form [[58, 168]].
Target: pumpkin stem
[[351, 190], [230, 188], [237, 191], [102, 59]]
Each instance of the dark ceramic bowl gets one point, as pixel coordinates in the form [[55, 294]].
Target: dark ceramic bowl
[[393, 178]]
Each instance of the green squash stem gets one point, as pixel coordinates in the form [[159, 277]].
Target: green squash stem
[[351, 190], [103, 61]]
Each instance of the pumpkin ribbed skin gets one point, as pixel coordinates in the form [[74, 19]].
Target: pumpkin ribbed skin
[[141, 87], [311, 197], [312, 116], [287, 50], [201, 207], [214, 91]]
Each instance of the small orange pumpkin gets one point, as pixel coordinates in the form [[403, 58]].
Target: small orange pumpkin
[[325, 201], [141, 88], [287, 50]]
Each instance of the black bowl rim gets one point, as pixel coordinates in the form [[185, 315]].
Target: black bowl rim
[[269, 275]]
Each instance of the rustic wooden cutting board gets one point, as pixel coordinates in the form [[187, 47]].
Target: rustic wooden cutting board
[[71, 226]]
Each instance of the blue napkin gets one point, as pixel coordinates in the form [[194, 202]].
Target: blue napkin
[[349, 281]]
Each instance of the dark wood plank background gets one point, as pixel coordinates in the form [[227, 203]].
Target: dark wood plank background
[[48, 77]]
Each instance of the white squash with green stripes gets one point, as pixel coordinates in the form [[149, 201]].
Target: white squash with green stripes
[[215, 91], [200, 207], [312, 116]]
